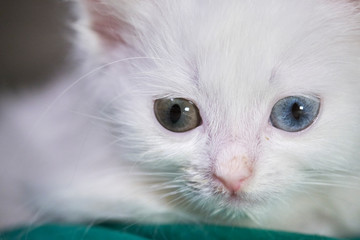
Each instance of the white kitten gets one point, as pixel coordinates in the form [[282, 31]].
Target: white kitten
[[236, 112]]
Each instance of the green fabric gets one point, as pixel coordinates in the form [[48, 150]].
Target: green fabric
[[142, 232]]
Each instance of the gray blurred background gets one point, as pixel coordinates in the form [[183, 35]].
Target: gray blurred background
[[33, 41]]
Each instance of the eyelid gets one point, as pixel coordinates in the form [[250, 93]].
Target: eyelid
[[173, 96], [310, 95]]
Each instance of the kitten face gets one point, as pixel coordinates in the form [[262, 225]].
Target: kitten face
[[236, 61]]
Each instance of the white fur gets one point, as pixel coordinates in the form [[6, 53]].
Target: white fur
[[91, 149]]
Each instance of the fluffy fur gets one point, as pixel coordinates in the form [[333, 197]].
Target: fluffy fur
[[91, 149]]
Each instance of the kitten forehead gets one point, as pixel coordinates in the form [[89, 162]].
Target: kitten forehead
[[249, 47], [258, 43]]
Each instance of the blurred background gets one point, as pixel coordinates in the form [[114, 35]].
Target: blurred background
[[34, 41]]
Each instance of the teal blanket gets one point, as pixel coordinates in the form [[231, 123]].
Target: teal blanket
[[142, 232]]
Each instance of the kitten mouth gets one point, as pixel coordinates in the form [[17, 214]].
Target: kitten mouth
[[238, 199], [232, 197], [235, 197], [233, 194]]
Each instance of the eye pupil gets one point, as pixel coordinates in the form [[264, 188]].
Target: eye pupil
[[294, 113], [297, 111], [175, 113]]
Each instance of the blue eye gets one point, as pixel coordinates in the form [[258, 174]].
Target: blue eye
[[294, 113]]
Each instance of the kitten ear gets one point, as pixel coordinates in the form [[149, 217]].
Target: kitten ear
[[113, 20]]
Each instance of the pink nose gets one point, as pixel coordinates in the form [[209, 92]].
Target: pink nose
[[232, 184], [232, 174]]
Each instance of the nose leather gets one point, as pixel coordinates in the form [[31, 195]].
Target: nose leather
[[233, 173]]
